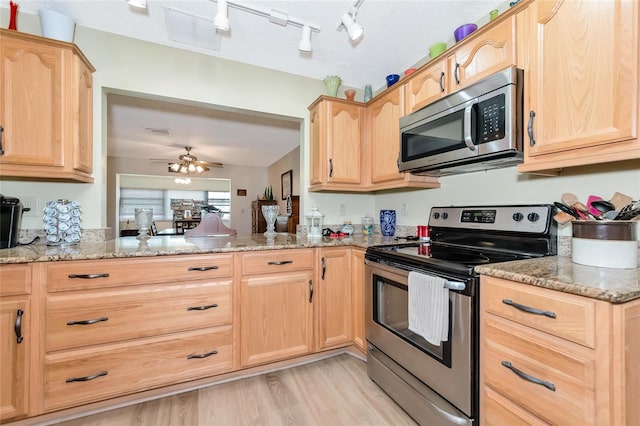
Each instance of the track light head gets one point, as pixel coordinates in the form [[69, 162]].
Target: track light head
[[221, 21], [354, 29], [305, 40], [142, 4]]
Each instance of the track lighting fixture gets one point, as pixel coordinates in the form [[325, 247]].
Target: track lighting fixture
[[305, 40], [138, 3], [221, 20], [348, 21]]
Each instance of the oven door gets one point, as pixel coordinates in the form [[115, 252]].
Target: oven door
[[447, 369]]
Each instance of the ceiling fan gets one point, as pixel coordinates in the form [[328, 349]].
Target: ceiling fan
[[189, 163]]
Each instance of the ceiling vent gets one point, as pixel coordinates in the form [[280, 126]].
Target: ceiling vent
[[157, 131]]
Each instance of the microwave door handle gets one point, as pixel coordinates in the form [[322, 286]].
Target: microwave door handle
[[468, 140]]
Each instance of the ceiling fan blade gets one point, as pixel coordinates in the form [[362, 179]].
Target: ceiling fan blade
[[210, 163]]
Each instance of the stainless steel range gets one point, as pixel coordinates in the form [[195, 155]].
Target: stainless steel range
[[437, 384]]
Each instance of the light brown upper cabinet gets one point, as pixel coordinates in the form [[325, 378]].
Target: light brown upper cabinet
[[335, 145], [485, 52], [581, 82], [46, 96], [382, 144]]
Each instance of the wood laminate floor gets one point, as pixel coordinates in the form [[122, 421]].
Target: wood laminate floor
[[334, 391]]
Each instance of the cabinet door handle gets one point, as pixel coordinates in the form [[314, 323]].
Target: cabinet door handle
[[279, 262], [529, 309], [528, 377], [86, 378], [202, 268], [532, 141], [88, 276], [202, 308], [88, 322], [441, 81], [330, 167], [199, 356], [324, 267], [1, 133], [17, 327], [310, 291], [455, 73]]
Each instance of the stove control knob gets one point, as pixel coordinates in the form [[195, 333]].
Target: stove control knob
[[445, 215], [436, 215], [518, 216], [533, 217]]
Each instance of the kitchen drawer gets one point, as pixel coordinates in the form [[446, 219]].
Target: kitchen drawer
[[89, 274], [569, 367], [276, 261], [499, 411], [575, 316], [15, 279], [135, 366], [112, 315]]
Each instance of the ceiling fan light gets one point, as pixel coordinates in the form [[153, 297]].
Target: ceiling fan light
[[174, 167], [183, 169], [199, 169], [221, 21], [191, 167]]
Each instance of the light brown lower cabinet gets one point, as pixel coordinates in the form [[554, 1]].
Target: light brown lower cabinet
[[334, 294], [568, 359], [357, 297], [276, 305], [114, 327], [15, 341]]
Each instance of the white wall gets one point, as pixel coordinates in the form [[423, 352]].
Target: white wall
[[507, 186]]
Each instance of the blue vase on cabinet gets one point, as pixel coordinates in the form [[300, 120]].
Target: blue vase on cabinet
[[388, 223]]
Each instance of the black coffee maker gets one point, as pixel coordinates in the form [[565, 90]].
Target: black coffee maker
[[10, 217]]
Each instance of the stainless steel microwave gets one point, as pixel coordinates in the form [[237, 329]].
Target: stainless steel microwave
[[476, 128]]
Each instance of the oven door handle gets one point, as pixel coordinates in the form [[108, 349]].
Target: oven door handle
[[451, 285], [455, 285]]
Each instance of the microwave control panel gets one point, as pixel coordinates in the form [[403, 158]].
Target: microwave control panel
[[491, 119]]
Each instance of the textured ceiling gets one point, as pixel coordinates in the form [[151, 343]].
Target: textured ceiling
[[397, 36]]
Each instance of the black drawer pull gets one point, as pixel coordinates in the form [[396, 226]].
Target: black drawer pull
[[86, 378], [529, 309], [87, 322], [198, 356], [202, 308], [17, 327], [528, 377], [202, 268], [88, 276], [279, 262]]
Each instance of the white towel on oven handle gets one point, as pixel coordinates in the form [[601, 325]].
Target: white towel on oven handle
[[428, 307]]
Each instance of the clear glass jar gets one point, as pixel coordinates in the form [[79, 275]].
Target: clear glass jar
[[347, 227]]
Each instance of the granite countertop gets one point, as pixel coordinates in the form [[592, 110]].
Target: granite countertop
[[172, 245], [561, 274], [555, 272]]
